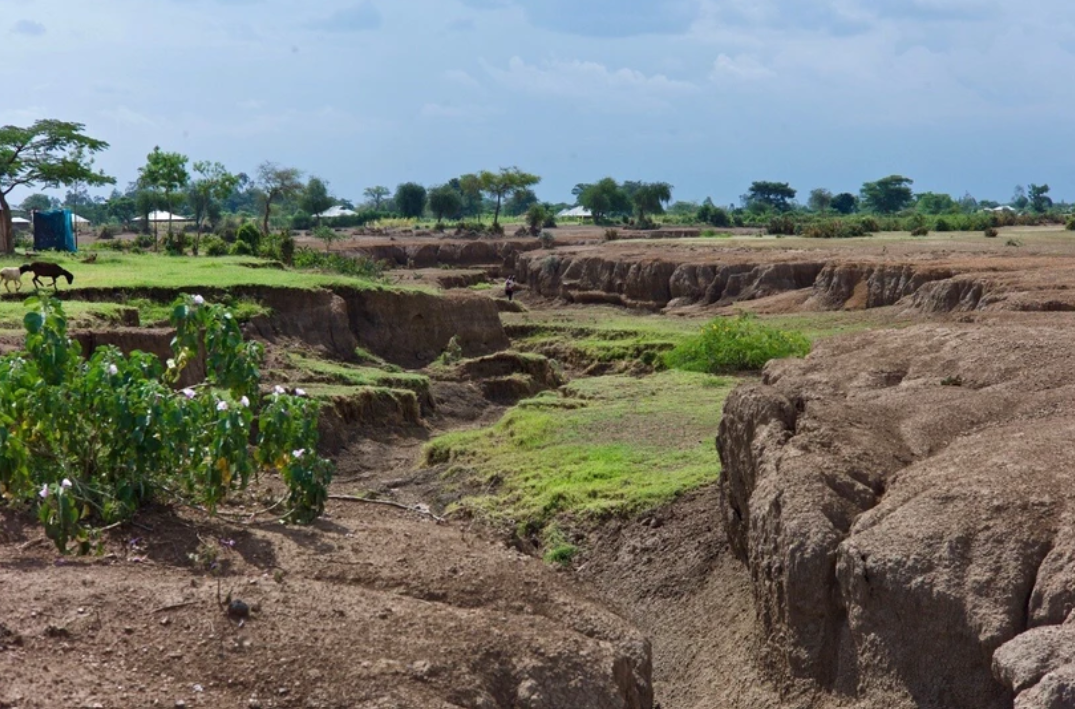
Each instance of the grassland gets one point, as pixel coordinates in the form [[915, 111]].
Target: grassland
[[133, 271], [602, 446]]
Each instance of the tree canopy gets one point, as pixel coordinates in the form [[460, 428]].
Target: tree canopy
[[888, 195], [776, 195], [410, 199], [604, 198], [504, 183], [820, 200], [650, 198], [47, 154], [276, 183], [376, 196], [845, 203], [1038, 197], [316, 198], [445, 203], [213, 184]]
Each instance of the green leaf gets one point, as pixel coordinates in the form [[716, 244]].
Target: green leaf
[[33, 322]]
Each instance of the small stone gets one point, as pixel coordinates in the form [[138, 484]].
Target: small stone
[[180, 704], [238, 609]]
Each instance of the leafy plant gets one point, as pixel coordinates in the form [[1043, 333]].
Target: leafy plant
[[547, 240], [87, 442], [327, 235], [735, 344], [359, 266], [248, 234]]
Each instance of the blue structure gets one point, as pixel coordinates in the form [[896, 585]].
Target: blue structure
[[52, 231]]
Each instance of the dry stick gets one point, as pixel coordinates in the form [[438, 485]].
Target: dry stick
[[387, 503], [174, 606]]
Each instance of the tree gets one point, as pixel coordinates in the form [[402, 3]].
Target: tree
[[377, 195], [316, 198], [166, 173], [820, 200], [122, 208], [603, 198], [1038, 197], [410, 199], [275, 184], [213, 185], [39, 203], [470, 186], [935, 203], [327, 235], [888, 195], [1019, 198], [968, 204], [507, 182], [50, 154], [651, 197], [713, 215], [777, 195], [845, 203], [521, 201], [578, 189], [445, 202]]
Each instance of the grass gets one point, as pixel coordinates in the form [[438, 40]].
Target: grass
[[131, 271], [736, 344], [347, 375], [614, 445]]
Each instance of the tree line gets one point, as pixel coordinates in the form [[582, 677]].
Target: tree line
[[50, 154]]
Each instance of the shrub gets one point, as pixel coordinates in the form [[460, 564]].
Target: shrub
[[735, 344], [920, 231], [942, 225], [87, 442], [105, 233], [535, 217], [834, 229], [327, 235], [870, 224], [547, 240], [251, 236], [175, 243], [781, 225], [1070, 226], [991, 232], [143, 241], [359, 266], [213, 245], [242, 248], [714, 216], [453, 352], [302, 221], [287, 248], [611, 235]]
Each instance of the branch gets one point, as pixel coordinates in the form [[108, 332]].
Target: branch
[[388, 503]]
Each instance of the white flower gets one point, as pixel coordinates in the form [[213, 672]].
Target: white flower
[[171, 363], [279, 389], [221, 405], [189, 393], [198, 300], [113, 370], [44, 491], [300, 392], [66, 484], [296, 454], [245, 402]]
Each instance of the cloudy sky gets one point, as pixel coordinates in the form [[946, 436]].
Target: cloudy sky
[[961, 95]]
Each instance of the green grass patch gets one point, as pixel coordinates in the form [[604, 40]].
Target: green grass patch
[[131, 271], [736, 344], [348, 375], [602, 446]]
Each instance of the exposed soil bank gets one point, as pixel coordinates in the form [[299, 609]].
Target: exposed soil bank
[[828, 283], [902, 502]]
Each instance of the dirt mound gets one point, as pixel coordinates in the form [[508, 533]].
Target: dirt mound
[[374, 608], [901, 500]]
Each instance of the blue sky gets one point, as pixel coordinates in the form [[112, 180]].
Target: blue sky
[[709, 95]]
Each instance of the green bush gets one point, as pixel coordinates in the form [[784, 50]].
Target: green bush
[[942, 225], [251, 236], [991, 233], [735, 344], [834, 229], [213, 245], [358, 266], [547, 240], [143, 241], [536, 217], [175, 243], [287, 248], [920, 231], [85, 443], [242, 248], [106, 232], [1070, 226], [781, 225]]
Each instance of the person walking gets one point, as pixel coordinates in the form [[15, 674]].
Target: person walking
[[509, 287]]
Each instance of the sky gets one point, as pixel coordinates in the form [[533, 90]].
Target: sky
[[708, 95]]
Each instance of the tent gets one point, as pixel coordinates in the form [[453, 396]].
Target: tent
[[19, 221], [52, 230], [579, 212], [337, 211], [79, 220]]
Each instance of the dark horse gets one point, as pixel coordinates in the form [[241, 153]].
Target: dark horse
[[43, 269]]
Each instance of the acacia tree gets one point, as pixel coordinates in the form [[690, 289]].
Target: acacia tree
[[166, 173], [276, 183], [603, 198], [1038, 197], [445, 202], [48, 154], [820, 200], [377, 195], [214, 185], [777, 195], [651, 197], [889, 194], [316, 198], [507, 182], [470, 186], [845, 203]]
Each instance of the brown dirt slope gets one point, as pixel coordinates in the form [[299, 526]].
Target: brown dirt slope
[[902, 503], [373, 607]]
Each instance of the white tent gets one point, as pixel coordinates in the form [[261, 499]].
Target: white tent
[[79, 220], [166, 217], [576, 212], [337, 211], [19, 221]]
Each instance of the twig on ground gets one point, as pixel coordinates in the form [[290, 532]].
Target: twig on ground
[[389, 503], [174, 606]]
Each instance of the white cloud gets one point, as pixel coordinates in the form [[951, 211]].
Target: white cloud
[[462, 78], [741, 67], [589, 81]]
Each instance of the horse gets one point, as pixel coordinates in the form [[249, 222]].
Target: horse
[[44, 269]]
